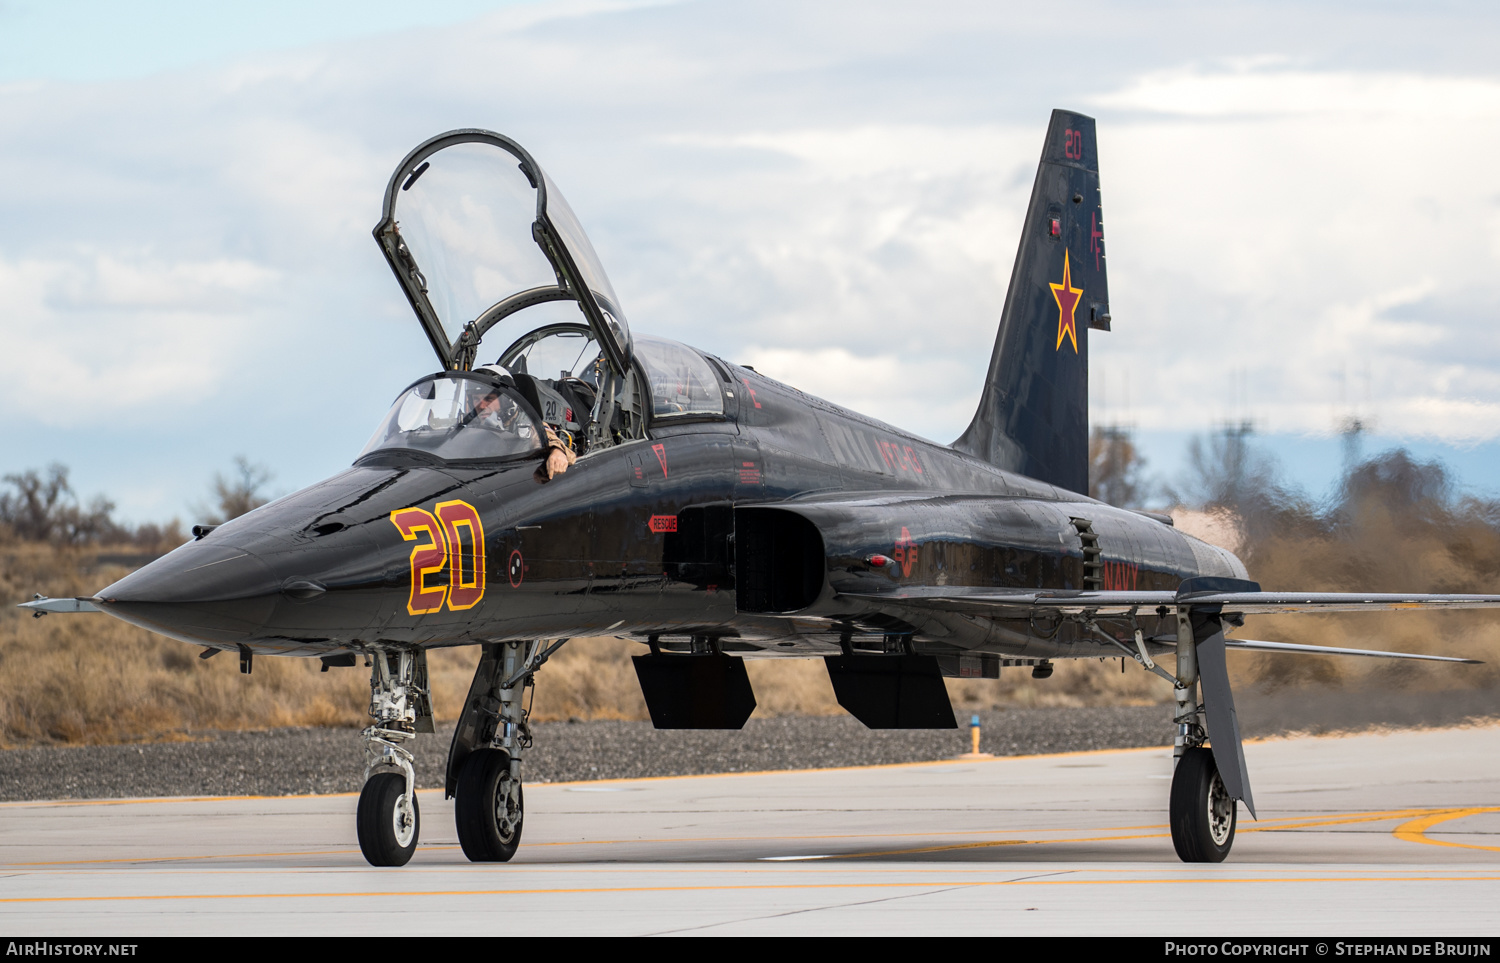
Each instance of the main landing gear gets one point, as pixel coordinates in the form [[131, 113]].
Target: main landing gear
[[1202, 813], [1203, 809], [484, 763], [489, 808]]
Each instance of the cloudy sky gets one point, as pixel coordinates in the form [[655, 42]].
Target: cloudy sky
[[1302, 203]]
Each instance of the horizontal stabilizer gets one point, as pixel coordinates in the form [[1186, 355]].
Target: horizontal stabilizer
[[1257, 646], [42, 605]]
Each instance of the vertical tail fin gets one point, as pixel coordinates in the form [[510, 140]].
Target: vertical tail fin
[[1033, 417]]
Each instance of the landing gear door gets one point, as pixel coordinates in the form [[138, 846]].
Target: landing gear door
[[475, 231]]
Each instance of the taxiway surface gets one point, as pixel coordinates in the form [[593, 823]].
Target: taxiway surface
[[1395, 833]]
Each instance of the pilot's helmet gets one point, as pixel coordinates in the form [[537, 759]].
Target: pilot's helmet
[[496, 407], [499, 372]]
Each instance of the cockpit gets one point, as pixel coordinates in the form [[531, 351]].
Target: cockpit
[[487, 250], [457, 417]]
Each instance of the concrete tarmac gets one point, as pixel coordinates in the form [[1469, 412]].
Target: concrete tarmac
[[1395, 834]]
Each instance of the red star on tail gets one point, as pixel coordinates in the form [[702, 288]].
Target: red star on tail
[[1067, 298]]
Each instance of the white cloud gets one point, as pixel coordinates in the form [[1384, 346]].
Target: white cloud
[[893, 389], [831, 193], [91, 337], [1286, 225], [1262, 87]]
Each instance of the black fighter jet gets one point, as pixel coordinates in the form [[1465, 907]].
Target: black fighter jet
[[562, 476]]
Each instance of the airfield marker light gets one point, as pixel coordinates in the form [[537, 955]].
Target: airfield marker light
[[974, 753]]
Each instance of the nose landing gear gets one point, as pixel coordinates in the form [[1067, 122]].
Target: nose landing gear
[[388, 820]]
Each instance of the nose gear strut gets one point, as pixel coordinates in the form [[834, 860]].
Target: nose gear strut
[[388, 821]]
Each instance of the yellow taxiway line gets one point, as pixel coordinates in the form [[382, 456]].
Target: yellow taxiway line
[[746, 887], [1418, 822], [1416, 830]]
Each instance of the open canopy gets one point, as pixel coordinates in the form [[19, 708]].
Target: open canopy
[[475, 232]]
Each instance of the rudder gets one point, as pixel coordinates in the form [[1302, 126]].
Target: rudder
[[1033, 414]]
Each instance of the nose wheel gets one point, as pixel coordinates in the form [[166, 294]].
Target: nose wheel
[[1202, 811], [489, 808], [388, 821]]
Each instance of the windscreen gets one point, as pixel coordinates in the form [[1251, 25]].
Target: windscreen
[[454, 417]]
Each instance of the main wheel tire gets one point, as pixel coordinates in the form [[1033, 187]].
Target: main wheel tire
[[388, 829], [1202, 813], [488, 818]]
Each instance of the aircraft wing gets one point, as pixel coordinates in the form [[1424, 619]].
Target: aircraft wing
[[1004, 602], [1022, 602], [1254, 645]]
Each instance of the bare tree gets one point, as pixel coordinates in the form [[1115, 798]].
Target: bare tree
[[29, 508], [1411, 492], [1116, 468], [238, 493], [41, 507], [1225, 471]]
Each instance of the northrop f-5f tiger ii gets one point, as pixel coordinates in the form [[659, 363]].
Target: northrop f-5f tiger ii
[[564, 476]]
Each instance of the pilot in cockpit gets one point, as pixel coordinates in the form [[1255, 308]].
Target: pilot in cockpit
[[498, 411]]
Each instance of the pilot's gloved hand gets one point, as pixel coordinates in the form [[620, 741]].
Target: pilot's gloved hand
[[559, 457]]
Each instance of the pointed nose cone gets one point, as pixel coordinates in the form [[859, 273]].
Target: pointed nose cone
[[202, 592], [315, 570]]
